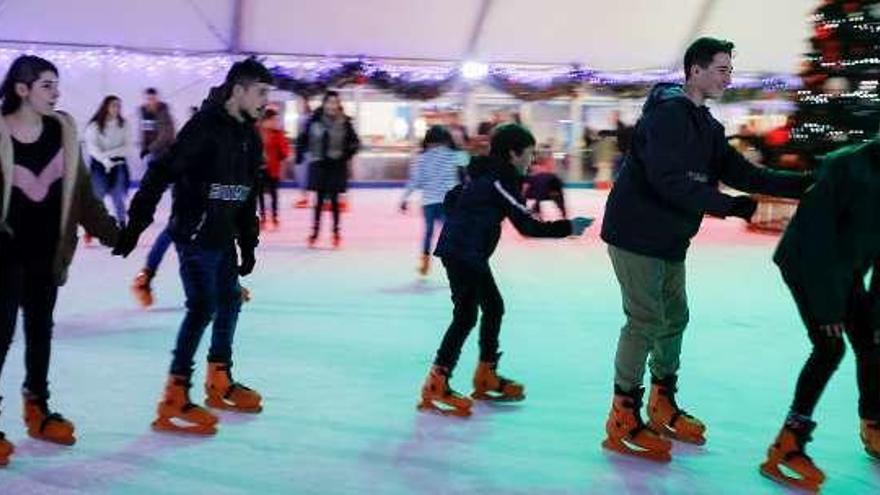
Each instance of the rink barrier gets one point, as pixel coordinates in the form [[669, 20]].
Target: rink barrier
[[389, 184]]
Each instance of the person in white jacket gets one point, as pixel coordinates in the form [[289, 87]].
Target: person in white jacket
[[107, 144]]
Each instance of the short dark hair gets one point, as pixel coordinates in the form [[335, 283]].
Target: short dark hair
[[702, 51], [25, 69], [437, 134], [510, 137], [330, 94], [269, 113], [151, 91], [246, 72]]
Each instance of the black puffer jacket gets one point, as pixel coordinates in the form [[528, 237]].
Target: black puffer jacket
[[213, 166], [475, 210]]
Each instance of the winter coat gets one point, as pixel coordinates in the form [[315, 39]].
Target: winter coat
[[326, 174], [79, 206], [157, 133], [670, 178], [275, 151], [834, 237], [213, 166], [475, 210]]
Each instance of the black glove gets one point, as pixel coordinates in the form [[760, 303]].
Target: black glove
[[743, 207], [247, 261], [127, 240]]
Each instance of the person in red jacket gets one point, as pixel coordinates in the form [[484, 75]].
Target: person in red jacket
[[277, 155]]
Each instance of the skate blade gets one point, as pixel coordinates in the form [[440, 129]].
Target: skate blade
[[177, 425], [773, 472], [427, 406], [622, 447], [229, 406], [58, 441], [497, 397], [674, 435]]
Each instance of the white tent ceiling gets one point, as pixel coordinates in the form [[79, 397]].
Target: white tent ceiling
[[608, 35]]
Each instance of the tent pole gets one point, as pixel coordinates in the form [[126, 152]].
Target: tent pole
[[698, 25], [234, 45], [477, 30]]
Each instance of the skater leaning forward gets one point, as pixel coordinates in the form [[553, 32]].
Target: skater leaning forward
[[213, 166], [44, 185], [474, 212], [826, 251], [669, 180]]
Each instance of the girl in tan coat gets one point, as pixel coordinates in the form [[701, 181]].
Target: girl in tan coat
[[45, 192]]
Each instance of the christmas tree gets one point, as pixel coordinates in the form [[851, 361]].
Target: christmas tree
[[839, 103]]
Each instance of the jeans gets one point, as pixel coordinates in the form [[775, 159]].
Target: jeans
[[113, 182], [157, 252], [210, 281], [433, 213]]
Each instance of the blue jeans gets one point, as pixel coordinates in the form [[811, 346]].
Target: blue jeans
[[113, 182], [433, 213], [210, 281], [157, 252]]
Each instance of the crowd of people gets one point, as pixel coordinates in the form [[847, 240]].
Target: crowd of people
[[231, 152]]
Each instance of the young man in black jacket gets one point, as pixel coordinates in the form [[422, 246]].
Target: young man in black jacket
[[669, 180], [829, 247], [213, 166], [474, 213]]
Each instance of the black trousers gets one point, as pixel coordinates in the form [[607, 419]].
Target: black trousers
[[828, 351], [27, 283], [472, 289], [268, 185], [333, 197]]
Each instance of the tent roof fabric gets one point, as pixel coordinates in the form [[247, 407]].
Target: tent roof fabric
[[621, 35]]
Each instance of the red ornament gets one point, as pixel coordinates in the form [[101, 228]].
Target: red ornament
[[823, 32]]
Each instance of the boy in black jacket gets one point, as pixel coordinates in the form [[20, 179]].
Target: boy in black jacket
[[474, 213], [213, 167], [829, 247], [669, 180]]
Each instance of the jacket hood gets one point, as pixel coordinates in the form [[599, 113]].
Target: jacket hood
[[663, 92], [491, 166]]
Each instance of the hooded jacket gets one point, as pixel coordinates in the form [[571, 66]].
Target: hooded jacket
[[475, 210], [79, 206], [670, 178], [213, 166]]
